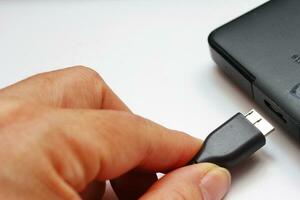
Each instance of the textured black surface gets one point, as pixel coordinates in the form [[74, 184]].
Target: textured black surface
[[231, 143], [261, 51]]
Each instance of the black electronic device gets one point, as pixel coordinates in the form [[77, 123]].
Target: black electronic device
[[261, 52]]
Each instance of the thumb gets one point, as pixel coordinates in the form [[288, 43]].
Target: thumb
[[201, 181]]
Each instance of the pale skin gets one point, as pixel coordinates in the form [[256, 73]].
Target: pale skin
[[64, 133]]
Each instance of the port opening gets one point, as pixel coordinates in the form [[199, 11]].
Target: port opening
[[275, 111]]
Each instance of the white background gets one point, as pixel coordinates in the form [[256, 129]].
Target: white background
[[155, 55]]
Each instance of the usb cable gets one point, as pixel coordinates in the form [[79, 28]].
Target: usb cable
[[235, 140]]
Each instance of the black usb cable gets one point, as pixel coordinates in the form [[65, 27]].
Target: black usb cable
[[235, 140]]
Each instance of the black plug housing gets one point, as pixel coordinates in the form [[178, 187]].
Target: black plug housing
[[235, 140]]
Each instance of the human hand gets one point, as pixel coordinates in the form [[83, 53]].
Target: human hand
[[64, 133]]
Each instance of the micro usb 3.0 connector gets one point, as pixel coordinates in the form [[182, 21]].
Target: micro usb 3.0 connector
[[235, 140]]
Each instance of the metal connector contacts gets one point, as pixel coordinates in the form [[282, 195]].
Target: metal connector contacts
[[259, 122]]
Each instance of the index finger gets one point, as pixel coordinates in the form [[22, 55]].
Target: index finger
[[117, 142]]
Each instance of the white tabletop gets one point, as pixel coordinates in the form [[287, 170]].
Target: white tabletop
[[155, 55]]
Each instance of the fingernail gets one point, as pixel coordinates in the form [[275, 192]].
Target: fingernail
[[215, 184]]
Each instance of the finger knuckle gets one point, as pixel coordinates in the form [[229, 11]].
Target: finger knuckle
[[77, 81], [78, 75], [87, 78], [85, 71]]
